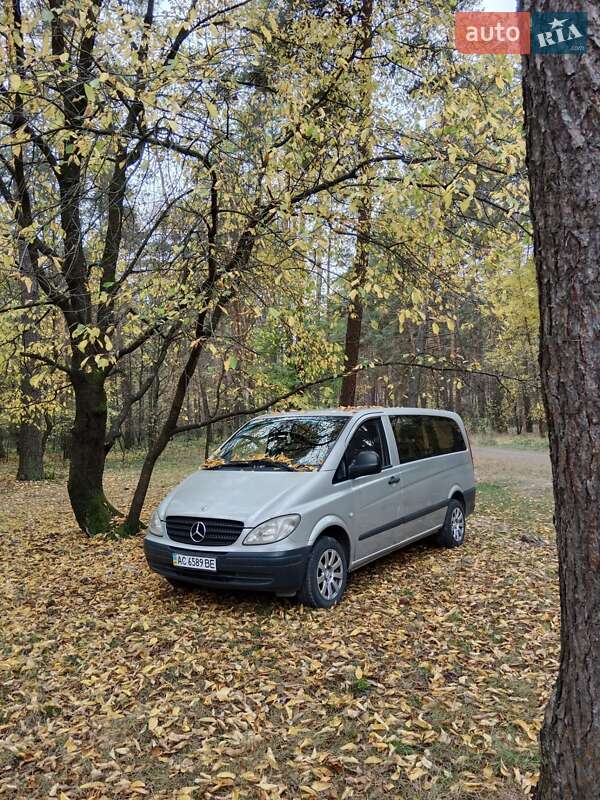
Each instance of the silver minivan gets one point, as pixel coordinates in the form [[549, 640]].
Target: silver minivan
[[293, 502]]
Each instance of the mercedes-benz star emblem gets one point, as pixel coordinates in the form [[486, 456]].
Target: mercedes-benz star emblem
[[198, 532]]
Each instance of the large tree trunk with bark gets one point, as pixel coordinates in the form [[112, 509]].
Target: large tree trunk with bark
[[128, 435], [92, 510], [355, 309], [30, 447], [563, 153], [361, 257], [30, 438], [31, 441]]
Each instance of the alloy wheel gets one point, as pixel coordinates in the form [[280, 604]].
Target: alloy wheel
[[457, 524], [330, 574]]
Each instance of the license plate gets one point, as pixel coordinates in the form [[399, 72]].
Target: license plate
[[195, 562]]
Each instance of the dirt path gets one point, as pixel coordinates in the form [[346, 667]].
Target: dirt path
[[529, 469]]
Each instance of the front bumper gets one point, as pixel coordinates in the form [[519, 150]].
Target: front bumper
[[280, 572]]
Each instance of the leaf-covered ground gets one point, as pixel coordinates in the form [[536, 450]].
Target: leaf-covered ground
[[427, 682]]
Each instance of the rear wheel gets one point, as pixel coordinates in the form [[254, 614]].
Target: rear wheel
[[452, 533], [326, 574]]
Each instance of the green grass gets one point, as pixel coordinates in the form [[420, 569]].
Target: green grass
[[508, 501], [524, 441], [360, 686], [528, 442]]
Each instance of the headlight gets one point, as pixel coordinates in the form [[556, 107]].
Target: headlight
[[156, 526], [273, 530]]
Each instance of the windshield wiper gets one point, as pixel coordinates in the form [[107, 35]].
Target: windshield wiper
[[255, 462]]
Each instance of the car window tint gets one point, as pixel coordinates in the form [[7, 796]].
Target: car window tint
[[425, 436], [447, 434], [368, 436], [410, 437]]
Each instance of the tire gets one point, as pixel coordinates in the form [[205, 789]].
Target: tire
[[317, 591], [452, 533], [181, 585]]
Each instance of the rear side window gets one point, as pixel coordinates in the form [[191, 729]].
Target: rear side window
[[446, 434], [426, 436], [409, 434]]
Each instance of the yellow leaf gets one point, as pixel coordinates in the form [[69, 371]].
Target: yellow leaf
[[529, 730], [211, 108], [416, 773], [271, 758]]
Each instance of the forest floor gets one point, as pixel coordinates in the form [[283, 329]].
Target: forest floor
[[426, 682]]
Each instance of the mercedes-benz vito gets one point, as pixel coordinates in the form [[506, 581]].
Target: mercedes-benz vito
[[293, 502]]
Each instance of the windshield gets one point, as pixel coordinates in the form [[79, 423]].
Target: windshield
[[290, 443]]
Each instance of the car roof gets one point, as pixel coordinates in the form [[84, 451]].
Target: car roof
[[357, 410]]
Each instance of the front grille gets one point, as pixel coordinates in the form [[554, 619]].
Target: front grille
[[219, 532]]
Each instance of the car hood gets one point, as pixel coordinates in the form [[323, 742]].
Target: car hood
[[250, 496]]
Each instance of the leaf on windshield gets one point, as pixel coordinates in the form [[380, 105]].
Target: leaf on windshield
[[280, 458], [212, 463]]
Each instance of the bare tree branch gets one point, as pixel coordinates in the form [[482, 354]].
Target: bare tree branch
[[361, 368]]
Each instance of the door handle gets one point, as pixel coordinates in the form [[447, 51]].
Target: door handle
[[394, 479]]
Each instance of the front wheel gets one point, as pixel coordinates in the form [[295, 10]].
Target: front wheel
[[326, 574], [452, 534]]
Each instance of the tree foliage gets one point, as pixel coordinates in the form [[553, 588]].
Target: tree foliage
[[186, 186]]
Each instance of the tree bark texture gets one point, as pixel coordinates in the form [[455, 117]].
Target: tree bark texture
[[86, 468], [563, 154], [361, 257]]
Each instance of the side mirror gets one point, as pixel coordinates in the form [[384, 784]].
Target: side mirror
[[367, 462]]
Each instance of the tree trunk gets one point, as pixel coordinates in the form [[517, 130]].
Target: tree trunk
[[518, 420], [353, 332], [527, 411], [30, 447], [361, 256], [128, 435], [206, 415], [481, 384], [93, 512], [563, 155], [498, 421], [66, 444], [30, 438], [417, 341], [132, 523]]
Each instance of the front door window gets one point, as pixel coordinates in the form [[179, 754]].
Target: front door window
[[368, 436]]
